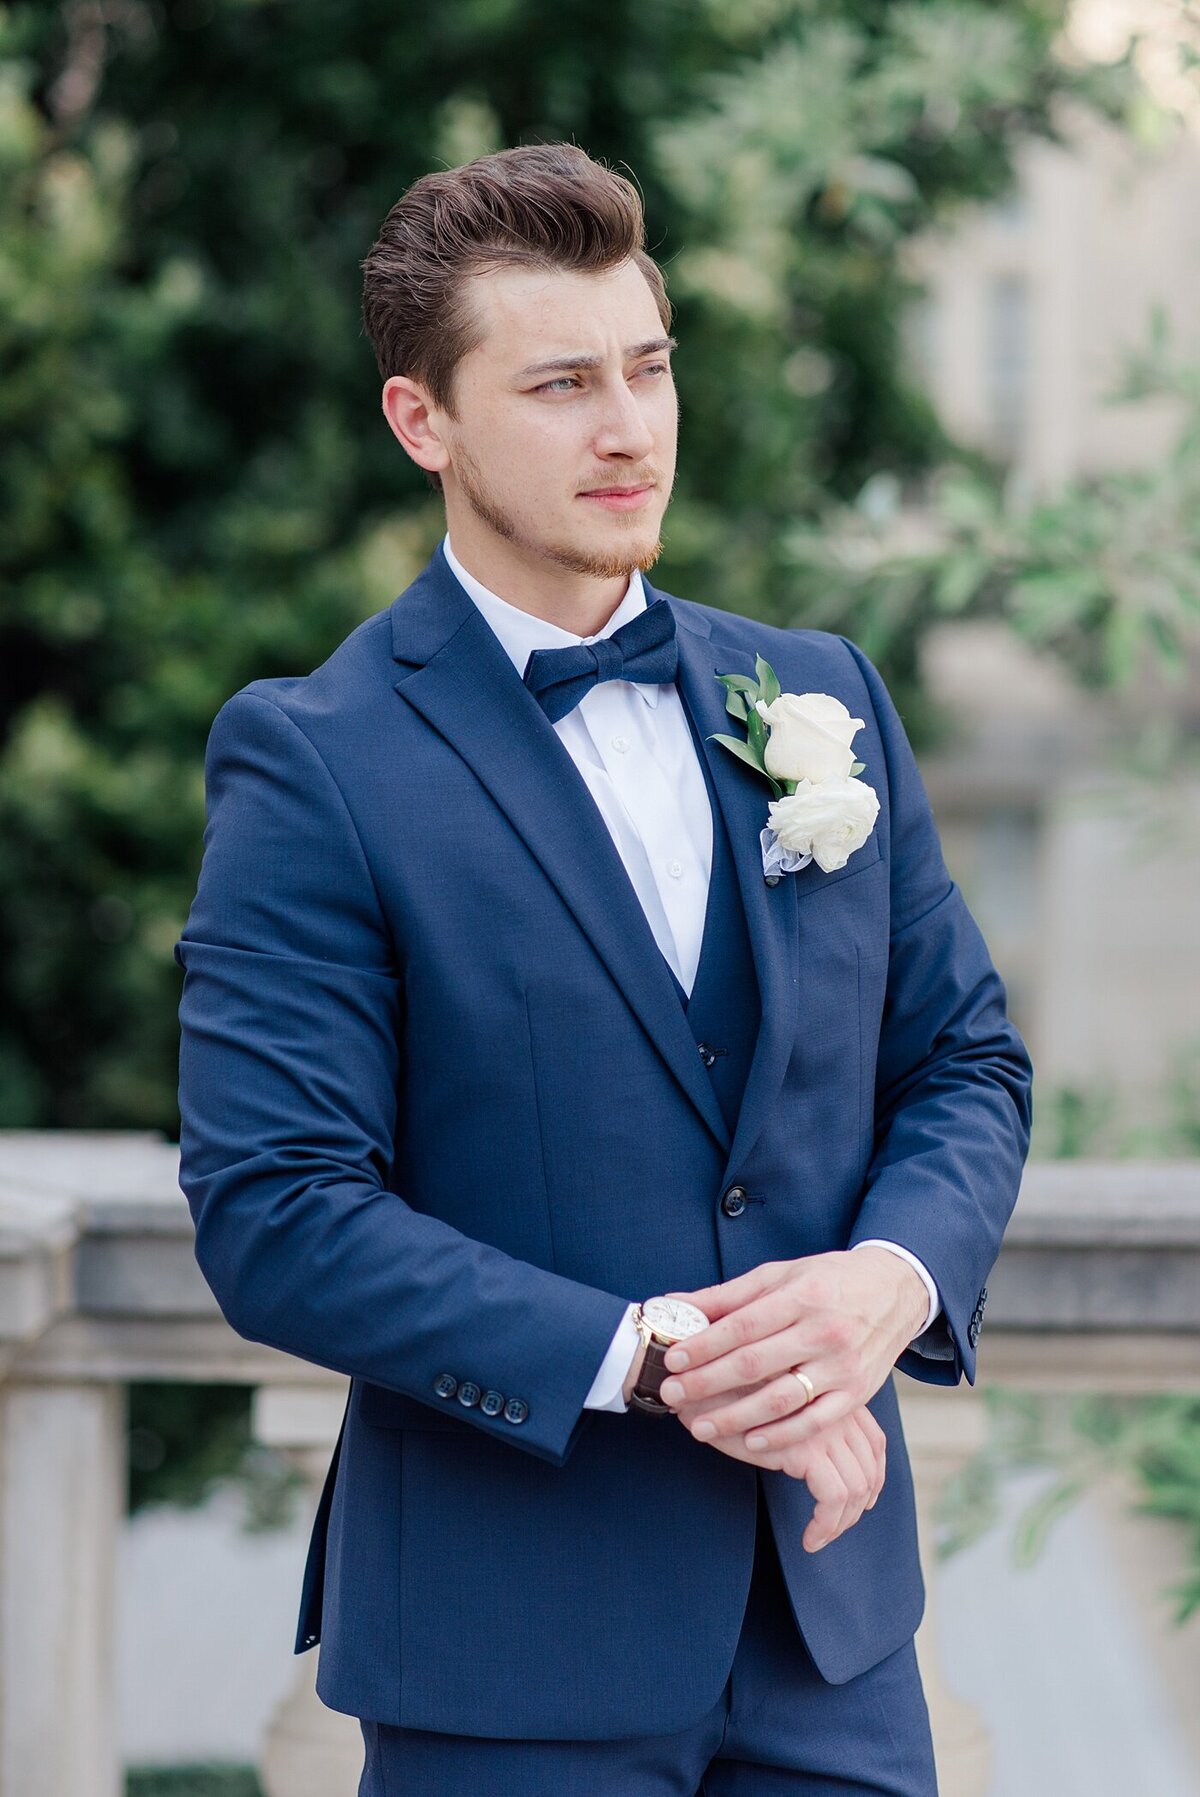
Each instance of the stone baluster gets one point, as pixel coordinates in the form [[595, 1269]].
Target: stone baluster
[[309, 1750], [944, 1428]]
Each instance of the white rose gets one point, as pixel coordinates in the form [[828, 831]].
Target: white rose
[[828, 820], [810, 736]]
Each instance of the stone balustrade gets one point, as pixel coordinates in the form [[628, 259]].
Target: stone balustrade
[[1097, 1288]]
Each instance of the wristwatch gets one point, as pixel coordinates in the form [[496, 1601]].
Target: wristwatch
[[661, 1322]]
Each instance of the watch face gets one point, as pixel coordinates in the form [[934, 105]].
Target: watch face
[[673, 1318]]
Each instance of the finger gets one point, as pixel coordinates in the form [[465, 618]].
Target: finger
[[716, 1300], [802, 1425], [857, 1480], [828, 1487], [751, 1322], [746, 1408], [869, 1457]]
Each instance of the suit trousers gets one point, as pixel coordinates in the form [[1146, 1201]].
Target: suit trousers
[[776, 1730]]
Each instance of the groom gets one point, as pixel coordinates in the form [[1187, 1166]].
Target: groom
[[495, 1031]]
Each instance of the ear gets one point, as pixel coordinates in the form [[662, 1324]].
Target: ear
[[413, 420]]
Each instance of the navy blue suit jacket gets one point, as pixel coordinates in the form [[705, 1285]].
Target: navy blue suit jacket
[[442, 1113]]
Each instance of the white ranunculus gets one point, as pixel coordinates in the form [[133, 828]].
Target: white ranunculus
[[810, 736], [828, 820]]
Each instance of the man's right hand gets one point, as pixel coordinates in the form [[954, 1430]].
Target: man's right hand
[[843, 1466]]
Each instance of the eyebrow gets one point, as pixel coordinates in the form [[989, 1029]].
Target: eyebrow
[[565, 364]]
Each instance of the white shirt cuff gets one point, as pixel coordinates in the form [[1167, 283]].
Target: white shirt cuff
[[606, 1392], [935, 1302]]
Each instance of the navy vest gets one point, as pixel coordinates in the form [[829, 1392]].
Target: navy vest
[[724, 1006]]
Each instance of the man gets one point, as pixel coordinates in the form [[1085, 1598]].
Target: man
[[494, 1027]]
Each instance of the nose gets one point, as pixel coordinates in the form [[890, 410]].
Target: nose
[[623, 429]]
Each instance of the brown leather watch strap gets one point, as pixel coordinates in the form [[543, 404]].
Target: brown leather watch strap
[[654, 1371]]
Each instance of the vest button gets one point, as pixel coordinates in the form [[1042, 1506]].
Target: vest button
[[734, 1201]]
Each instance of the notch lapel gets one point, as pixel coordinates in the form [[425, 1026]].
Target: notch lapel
[[462, 683], [771, 912]]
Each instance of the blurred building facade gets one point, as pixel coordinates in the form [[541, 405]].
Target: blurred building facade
[[1083, 880]]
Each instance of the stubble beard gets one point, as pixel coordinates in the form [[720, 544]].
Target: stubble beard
[[599, 565]]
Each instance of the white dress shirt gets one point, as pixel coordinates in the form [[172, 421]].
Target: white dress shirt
[[632, 745]]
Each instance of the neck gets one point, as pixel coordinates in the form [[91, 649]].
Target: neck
[[580, 603]]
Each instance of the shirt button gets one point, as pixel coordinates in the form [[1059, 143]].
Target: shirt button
[[675, 869], [620, 743], [734, 1201]]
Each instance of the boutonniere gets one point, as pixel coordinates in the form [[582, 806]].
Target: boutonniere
[[800, 744]]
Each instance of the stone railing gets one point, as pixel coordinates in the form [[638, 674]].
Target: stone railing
[[1097, 1288]]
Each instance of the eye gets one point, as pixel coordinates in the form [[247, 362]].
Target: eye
[[655, 368], [561, 381]]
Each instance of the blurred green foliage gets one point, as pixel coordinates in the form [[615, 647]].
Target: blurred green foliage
[[1154, 1441], [192, 1781], [195, 486], [183, 1440]]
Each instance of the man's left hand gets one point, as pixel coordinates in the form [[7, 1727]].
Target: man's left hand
[[844, 1318]]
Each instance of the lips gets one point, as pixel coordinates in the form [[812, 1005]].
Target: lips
[[602, 492], [620, 498]]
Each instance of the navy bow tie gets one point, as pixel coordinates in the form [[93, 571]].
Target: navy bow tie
[[645, 649]]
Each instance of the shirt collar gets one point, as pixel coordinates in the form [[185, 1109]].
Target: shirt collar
[[521, 632]]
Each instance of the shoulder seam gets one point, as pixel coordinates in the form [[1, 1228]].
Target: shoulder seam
[[262, 699]]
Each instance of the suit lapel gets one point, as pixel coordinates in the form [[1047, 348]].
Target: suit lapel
[[771, 912], [462, 683]]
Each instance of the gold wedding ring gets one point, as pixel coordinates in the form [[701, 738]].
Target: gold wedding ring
[[806, 1382]]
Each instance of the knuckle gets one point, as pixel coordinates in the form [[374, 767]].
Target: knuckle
[[749, 1364], [837, 1333], [742, 1327]]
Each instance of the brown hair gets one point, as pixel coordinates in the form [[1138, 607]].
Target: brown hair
[[537, 206]]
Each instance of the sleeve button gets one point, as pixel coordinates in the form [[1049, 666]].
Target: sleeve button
[[492, 1403], [445, 1385], [469, 1393], [516, 1410]]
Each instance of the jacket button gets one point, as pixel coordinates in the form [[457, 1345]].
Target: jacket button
[[445, 1385], [492, 1403], [469, 1393], [734, 1201], [516, 1410], [706, 1054]]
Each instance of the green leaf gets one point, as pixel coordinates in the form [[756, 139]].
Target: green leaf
[[857, 767], [1035, 1524], [738, 683], [768, 683], [756, 730], [735, 705], [743, 753]]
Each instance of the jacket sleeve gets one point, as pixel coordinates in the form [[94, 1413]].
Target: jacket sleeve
[[954, 1080], [291, 1018]]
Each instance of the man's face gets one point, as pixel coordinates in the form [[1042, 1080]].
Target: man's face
[[564, 443]]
